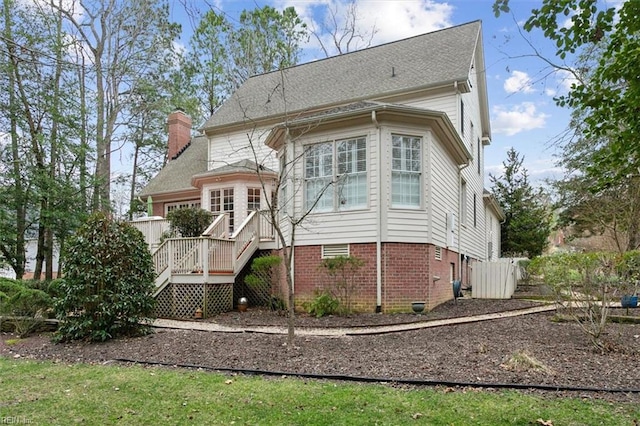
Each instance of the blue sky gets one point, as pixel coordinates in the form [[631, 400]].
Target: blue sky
[[521, 87]]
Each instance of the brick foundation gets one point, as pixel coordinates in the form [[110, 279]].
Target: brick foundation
[[408, 272]]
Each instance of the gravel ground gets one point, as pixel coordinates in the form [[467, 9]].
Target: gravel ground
[[493, 352]]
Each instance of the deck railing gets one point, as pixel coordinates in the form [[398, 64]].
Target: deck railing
[[215, 252], [219, 228], [267, 231], [246, 239], [152, 228]]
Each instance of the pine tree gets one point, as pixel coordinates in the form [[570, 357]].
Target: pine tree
[[527, 225]]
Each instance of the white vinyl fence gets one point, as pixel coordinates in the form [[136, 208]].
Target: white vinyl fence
[[494, 280]]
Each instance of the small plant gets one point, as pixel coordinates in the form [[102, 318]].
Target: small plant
[[342, 271], [522, 361], [323, 303], [189, 222]]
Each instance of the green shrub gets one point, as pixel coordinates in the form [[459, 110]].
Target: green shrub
[[342, 271], [9, 286], [189, 222], [24, 306], [108, 283], [264, 280], [323, 303]]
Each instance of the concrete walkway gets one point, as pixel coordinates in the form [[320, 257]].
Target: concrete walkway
[[349, 331]]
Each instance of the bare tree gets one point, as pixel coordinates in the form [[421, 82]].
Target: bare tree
[[123, 40], [285, 215], [340, 31]]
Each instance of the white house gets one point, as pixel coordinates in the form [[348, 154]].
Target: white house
[[385, 146]]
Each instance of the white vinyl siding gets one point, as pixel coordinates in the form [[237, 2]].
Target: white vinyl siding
[[406, 168], [229, 148]]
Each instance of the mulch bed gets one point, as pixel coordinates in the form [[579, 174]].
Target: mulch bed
[[480, 352]]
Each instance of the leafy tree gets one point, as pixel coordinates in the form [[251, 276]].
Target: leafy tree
[[124, 41], [206, 62], [608, 97], [38, 115], [527, 224], [265, 40], [108, 283]]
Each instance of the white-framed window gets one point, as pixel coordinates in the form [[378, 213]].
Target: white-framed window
[[406, 171], [352, 173], [336, 175], [168, 207], [284, 179], [222, 202], [253, 199], [318, 175], [478, 159]]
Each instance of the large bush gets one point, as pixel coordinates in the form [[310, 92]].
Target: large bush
[[108, 282], [189, 222]]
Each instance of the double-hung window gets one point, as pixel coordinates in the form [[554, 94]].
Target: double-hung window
[[318, 173], [222, 202], [352, 173], [253, 199], [336, 175], [406, 168]]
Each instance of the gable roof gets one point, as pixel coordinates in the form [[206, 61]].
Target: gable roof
[[176, 174], [430, 60]]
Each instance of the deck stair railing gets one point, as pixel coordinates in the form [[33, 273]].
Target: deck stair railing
[[214, 253]]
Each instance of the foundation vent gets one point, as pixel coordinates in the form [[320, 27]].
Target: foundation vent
[[335, 250]]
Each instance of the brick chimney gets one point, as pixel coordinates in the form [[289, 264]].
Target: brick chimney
[[179, 126]]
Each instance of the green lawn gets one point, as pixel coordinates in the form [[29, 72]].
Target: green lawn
[[42, 393]]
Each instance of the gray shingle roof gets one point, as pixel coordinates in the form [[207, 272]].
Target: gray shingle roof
[[176, 175], [423, 61], [242, 166]]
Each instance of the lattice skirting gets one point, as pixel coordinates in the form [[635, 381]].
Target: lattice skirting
[[182, 300]]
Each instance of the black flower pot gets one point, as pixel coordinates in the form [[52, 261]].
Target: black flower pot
[[417, 307]]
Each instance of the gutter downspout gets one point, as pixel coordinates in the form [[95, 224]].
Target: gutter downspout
[[460, 169], [378, 218]]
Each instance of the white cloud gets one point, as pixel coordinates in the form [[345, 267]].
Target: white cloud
[[518, 82], [518, 118], [392, 20]]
